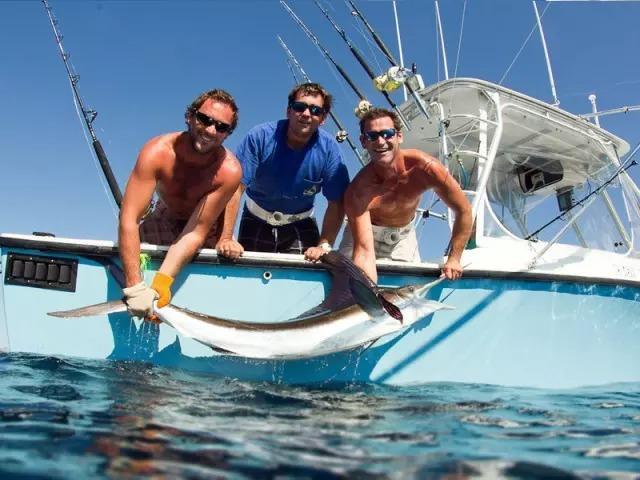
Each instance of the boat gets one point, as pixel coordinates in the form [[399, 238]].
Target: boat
[[550, 296]]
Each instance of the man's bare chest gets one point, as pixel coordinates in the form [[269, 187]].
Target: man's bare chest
[[187, 187]]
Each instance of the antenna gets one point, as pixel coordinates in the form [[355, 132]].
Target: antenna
[[556, 102], [594, 109], [395, 16], [441, 34]]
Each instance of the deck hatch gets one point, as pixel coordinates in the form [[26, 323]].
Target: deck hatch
[[41, 272]]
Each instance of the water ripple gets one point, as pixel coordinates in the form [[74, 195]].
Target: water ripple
[[65, 418]]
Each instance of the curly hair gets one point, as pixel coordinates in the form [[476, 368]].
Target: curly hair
[[217, 95], [376, 113]]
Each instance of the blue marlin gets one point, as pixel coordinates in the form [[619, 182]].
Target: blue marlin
[[356, 313]]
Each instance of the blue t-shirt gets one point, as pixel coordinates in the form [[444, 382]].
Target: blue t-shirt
[[285, 180]]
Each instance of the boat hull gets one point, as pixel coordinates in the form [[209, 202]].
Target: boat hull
[[509, 330]]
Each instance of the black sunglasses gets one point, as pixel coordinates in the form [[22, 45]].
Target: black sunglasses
[[387, 134], [207, 121], [300, 107]]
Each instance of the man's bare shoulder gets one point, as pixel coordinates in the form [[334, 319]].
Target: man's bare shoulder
[[159, 149], [358, 192], [418, 157], [231, 167], [424, 164], [362, 179]]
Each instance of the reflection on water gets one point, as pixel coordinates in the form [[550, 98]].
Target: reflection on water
[[62, 418]]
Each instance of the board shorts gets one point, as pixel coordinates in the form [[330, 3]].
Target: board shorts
[[256, 235], [159, 227]]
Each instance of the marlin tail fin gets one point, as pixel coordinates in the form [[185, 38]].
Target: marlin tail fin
[[91, 310]]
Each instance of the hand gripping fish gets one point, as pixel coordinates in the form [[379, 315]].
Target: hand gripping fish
[[355, 313]]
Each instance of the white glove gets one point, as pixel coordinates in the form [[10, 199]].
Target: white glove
[[139, 299]]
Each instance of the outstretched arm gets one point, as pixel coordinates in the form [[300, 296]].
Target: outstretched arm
[[333, 218], [452, 195], [356, 205], [227, 245], [137, 197], [201, 220], [364, 255]]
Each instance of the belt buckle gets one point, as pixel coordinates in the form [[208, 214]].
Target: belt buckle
[[392, 236], [277, 218]]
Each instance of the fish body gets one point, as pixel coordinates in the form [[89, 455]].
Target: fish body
[[306, 336], [356, 312]]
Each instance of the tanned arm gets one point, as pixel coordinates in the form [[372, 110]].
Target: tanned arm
[[205, 214], [137, 196], [227, 245], [356, 204], [332, 221], [452, 195], [333, 218]]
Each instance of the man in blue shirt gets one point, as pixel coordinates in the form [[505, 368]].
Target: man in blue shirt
[[285, 164]]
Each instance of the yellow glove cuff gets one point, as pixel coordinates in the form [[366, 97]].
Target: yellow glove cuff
[[162, 284]]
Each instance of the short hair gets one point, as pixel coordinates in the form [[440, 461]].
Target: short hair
[[217, 95], [376, 113], [311, 88]]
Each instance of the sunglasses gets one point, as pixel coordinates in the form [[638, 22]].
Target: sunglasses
[[387, 134], [207, 121], [300, 107]]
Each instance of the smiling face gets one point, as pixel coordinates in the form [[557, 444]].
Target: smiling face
[[302, 125], [382, 151], [205, 137]]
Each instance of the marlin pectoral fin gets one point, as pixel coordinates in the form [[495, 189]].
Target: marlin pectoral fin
[[390, 308], [91, 310], [372, 301]]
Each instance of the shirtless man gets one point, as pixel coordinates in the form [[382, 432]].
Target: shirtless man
[[381, 201], [194, 177]]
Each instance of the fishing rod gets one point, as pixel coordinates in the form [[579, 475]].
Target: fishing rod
[[88, 115], [292, 70], [342, 134], [356, 53], [383, 48], [364, 104]]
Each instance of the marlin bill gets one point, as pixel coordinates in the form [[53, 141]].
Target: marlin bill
[[354, 314]]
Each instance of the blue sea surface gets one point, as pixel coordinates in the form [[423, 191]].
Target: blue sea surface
[[68, 418]]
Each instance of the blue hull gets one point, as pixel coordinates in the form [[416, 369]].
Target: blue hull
[[506, 331]]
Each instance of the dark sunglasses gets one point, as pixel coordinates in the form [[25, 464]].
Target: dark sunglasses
[[387, 134], [300, 107], [207, 121]]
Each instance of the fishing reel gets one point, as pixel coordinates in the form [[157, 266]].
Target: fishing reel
[[363, 107], [341, 136], [395, 77]]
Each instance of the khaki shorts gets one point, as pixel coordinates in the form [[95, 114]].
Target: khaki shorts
[[395, 243]]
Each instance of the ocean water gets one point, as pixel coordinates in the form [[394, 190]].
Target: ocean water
[[68, 418]]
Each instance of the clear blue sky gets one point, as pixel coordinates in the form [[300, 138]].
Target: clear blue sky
[[141, 62]]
